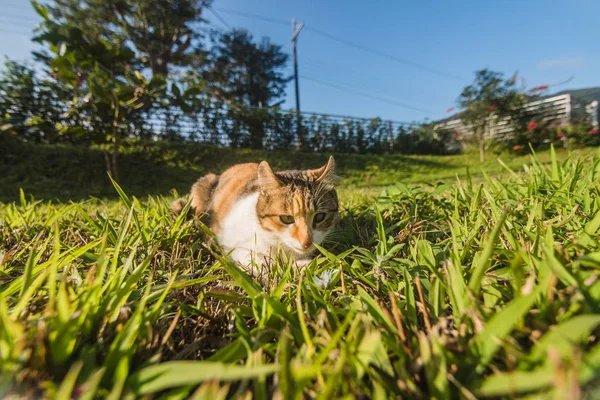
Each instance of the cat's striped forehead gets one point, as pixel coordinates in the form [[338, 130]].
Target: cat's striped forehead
[[301, 192], [302, 201]]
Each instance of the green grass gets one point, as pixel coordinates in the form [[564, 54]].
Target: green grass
[[67, 173], [466, 289]]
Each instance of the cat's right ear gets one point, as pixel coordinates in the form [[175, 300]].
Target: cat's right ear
[[266, 177], [326, 173]]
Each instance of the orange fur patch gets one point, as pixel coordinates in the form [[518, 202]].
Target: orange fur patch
[[231, 185], [300, 194], [302, 232]]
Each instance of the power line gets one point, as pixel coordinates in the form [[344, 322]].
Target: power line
[[353, 81], [15, 24], [15, 32], [219, 18], [563, 82], [248, 15], [350, 43], [352, 84], [385, 55], [296, 29], [22, 17], [392, 102], [17, 7], [346, 68]]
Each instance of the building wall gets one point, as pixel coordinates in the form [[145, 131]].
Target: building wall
[[556, 109]]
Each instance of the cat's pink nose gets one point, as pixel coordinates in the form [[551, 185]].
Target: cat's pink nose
[[307, 244]]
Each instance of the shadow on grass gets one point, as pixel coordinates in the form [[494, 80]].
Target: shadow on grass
[[63, 173], [66, 173]]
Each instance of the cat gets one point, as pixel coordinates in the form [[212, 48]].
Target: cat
[[255, 213]]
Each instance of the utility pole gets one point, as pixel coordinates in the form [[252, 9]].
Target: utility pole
[[296, 28], [391, 135]]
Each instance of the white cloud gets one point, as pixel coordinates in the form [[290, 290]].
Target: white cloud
[[565, 62]]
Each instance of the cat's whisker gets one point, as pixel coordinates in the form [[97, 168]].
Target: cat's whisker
[[318, 192]]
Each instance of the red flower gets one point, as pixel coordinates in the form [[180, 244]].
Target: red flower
[[532, 125], [516, 147], [450, 109], [593, 131], [491, 108], [538, 88]]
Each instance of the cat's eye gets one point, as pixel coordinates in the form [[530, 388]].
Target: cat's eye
[[319, 218], [286, 219]]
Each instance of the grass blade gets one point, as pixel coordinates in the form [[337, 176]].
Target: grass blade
[[182, 373]]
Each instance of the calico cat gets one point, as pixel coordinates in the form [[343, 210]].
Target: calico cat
[[255, 212]]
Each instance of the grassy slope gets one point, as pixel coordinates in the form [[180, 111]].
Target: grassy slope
[[462, 291], [72, 173]]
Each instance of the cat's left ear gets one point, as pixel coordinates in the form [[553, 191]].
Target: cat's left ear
[[326, 173], [266, 176]]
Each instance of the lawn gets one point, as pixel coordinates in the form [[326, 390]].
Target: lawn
[[67, 173], [437, 287]]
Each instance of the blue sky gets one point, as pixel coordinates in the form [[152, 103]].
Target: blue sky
[[547, 41]]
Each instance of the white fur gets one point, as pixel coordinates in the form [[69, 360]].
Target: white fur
[[248, 243]]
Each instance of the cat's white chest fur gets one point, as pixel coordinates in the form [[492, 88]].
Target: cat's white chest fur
[[241, 234]]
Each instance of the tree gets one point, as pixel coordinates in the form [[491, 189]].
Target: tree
[[248, 74], [17, 98], [488, 99], [162, 33], [35, 109], [165, 37], [110, 91]]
